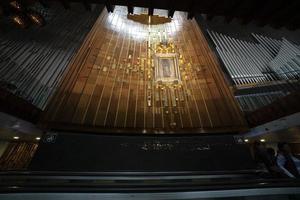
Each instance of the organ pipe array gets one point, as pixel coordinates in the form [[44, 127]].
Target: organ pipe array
[[32, 61], [273, 65], [251, 102], [250, 62]]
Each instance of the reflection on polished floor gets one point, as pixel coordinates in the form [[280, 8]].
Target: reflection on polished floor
[[145, 73]]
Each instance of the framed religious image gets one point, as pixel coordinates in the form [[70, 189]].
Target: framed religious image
[[166, 68]]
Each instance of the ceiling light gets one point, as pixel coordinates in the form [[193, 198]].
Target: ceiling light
[[16, 137], [262, 140], [37, 138], [36, 18], [19, 21], [16, 5]]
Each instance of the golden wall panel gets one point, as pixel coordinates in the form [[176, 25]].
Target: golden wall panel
[[110, 82]]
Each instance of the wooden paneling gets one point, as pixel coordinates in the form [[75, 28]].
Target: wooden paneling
[[111, 78], [17, 156]]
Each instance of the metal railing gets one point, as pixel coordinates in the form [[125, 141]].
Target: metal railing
[[139, 185]]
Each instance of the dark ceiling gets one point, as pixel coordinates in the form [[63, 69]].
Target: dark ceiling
[[277, 13], [274, 12]]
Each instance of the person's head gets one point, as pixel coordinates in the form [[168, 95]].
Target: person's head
[[284, 147]]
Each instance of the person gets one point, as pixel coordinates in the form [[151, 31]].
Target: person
[[260, 153], [265, 157], [271, 152], [288, 163]]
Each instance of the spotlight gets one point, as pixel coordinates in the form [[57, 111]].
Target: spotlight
[[19, 21], [262, 140], [36, 18], [16, 5], [16, 137], [37, 138]]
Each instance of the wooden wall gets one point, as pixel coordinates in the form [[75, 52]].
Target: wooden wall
[[110, 81]]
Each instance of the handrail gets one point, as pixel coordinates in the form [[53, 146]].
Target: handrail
[[129, 176], [133, 173], [177, 195], [133, 181], [126, 175]]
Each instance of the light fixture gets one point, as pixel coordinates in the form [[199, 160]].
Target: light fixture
[[262, 140], [16, 5], [246, 140], [36, 18], [19, 21], [16, 137], [37, 138]]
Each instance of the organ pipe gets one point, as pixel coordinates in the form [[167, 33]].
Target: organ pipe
[[269, 64], [33, 62]]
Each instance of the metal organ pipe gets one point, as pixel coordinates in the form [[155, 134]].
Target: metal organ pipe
[[270, 45], [253, 64], [231, 57], [30, 65], [270, 42], [242, 73], [256, 53], [283, 58], [229, 63], [224, 59], [252, 67], [269, 60], [250, 61], [237, 60], [266, 46], [247, 72]]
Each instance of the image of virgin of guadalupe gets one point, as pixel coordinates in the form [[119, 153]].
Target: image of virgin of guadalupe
[[166, 65]]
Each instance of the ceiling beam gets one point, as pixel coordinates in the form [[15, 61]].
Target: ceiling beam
[[171, 9], [191, 12], [130, 9], [171, 13], [150, 11], [275, 12], [109, 7]]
